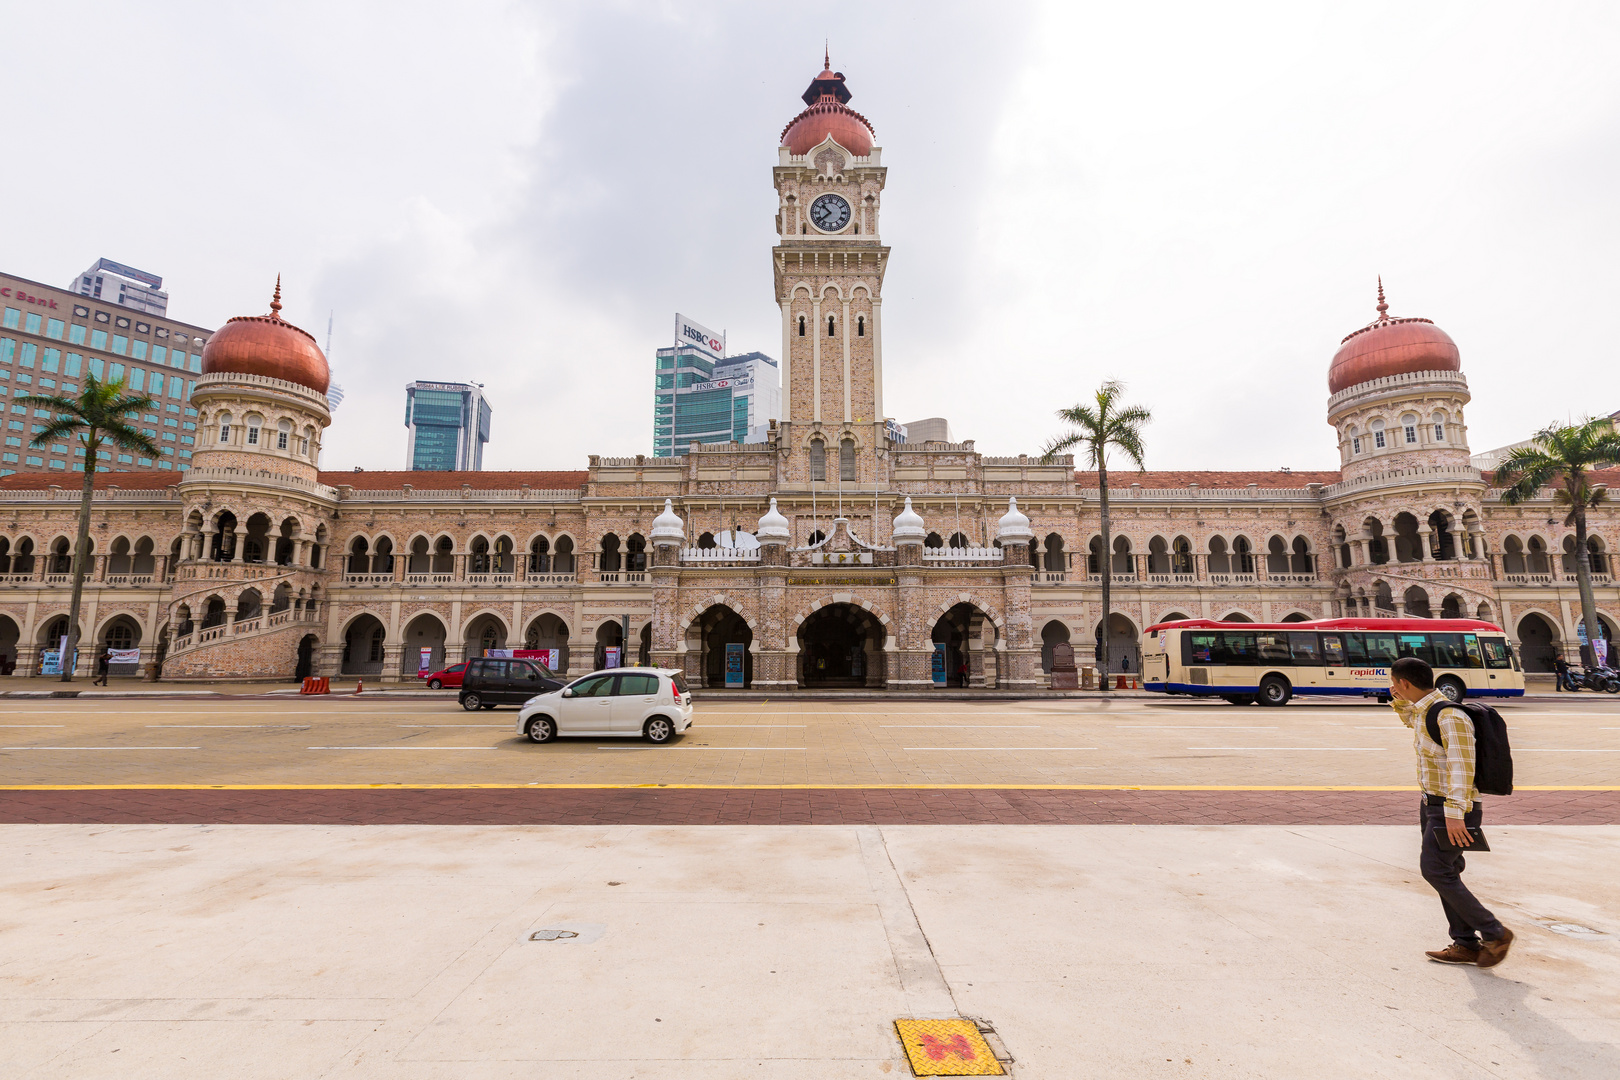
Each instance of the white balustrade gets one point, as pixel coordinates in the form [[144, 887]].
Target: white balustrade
[[720, 555]]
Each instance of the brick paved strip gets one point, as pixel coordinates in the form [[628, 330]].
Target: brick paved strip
[[741, 806]]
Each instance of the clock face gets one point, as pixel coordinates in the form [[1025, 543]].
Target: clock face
[[829, 213]]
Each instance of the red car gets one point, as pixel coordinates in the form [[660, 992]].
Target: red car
[[450, 676]]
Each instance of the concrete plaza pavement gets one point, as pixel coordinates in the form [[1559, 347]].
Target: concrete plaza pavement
[[1108, 951], [1285, 943]]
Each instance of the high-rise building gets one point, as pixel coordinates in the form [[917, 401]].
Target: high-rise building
[[448, 424], [51, 338], [933, 429], [123, 285], [702, 395]]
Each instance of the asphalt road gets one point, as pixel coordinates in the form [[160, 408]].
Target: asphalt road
[[375, 741]]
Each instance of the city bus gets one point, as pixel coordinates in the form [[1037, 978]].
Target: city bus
[[1268, 663]]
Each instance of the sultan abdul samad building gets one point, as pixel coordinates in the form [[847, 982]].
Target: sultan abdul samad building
[[256, 564]]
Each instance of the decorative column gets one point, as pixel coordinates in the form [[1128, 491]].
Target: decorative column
[[1457, 536], [1022, 653], [1364, 546], [239, 538], [1423, 534]]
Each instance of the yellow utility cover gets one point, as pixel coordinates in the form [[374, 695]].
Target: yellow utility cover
[[947, 1048]]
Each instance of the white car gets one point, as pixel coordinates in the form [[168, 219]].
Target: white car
[[653, 703]]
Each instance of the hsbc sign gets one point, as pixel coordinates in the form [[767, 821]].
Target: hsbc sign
[[690, 333]]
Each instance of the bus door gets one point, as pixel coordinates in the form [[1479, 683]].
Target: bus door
[[1499, 662], [1369, 654], [1336, 675]]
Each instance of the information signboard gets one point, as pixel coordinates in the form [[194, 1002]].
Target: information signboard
[[734, 664], [939, 663]]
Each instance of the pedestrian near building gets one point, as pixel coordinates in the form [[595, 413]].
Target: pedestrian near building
[[103, 664], [1450, 807]]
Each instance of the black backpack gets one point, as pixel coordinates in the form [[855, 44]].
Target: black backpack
[[1493, 758]]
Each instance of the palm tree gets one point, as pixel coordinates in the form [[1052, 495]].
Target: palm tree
[[1566, 456], [98, 415], [1100, 426]]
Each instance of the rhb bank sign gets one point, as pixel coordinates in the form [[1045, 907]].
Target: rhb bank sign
[[688, 332]]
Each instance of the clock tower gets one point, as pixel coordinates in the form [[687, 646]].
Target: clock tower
[[828, 268]]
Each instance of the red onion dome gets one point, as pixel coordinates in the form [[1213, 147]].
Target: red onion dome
[[270, 346], [1389, 346], [828, 114]]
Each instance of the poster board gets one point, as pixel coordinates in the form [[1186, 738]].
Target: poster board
[[734, 665], [613, 655], [938, 666], [424, 663]]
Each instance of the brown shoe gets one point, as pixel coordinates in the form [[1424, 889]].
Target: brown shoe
[[1494, 952], [1455, 953]]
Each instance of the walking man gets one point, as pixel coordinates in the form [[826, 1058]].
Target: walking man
[[1450, 807], [103, 662]]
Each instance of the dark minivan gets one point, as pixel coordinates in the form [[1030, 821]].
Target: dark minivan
[[492, 681]]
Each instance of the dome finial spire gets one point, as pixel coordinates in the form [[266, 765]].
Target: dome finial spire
[[1383, 305], [275, 300], [826, 54]]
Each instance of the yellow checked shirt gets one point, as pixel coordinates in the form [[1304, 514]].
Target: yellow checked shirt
[[1448, 770]]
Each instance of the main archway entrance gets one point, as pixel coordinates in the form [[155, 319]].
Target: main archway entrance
[[968, 637], [841, 647], [1538, 643]]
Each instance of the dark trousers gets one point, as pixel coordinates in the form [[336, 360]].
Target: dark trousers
[[1468, 919]]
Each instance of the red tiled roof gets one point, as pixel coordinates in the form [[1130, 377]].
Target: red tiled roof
[[367, 480], [1124, 478], [134, 479]]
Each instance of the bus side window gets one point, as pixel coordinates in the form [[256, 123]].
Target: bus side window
[[1333, 650], [1199, 648], [1471, 647], [1417, 645], [1448, 651], [1381, 649], [1303, 648]]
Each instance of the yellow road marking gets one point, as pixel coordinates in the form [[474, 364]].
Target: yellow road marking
[[757, 787]]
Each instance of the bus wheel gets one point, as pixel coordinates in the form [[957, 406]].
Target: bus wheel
[[1274, 690], [1452, 687]]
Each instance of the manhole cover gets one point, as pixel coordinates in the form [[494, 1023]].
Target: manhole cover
[[1573, 929], [947, 1048], [552, 935]]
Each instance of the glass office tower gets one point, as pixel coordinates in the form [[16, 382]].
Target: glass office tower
[[698, 398], [448, 424]]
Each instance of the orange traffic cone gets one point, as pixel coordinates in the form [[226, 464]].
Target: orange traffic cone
[[359, 685]]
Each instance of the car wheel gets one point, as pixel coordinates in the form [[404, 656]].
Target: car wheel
[[471, 702], [659, 730], [1274, 690], [1452, 687], [435, 684], [541, 729]]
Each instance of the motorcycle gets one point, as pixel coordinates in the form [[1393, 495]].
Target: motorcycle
[[1603, 679]]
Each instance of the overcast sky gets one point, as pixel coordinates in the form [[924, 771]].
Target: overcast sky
[[1194, 199]]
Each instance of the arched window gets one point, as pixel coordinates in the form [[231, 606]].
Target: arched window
[[1439, 421], [1378, 434], [801, 326], [815, 538], [1355, 440], [610, 553], [933, 541], [636, 552], [224, 427], [540, 556], [1409, 424], [860, 325], [846, 459], [829, 326], [283, 433], [818, 460], [1242, 556], [254, 421]]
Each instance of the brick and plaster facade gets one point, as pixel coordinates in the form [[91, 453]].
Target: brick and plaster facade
[[254, 564]]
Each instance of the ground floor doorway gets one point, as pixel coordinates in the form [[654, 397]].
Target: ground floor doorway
[[841, 646]]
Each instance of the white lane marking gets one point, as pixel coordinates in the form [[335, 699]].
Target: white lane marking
[[446, 725], [1288, 748], [401, 748], [1558, 750], [100, 748], [998, 748], [992, 727], [278, 727], [707, 726], [1199, 727]]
